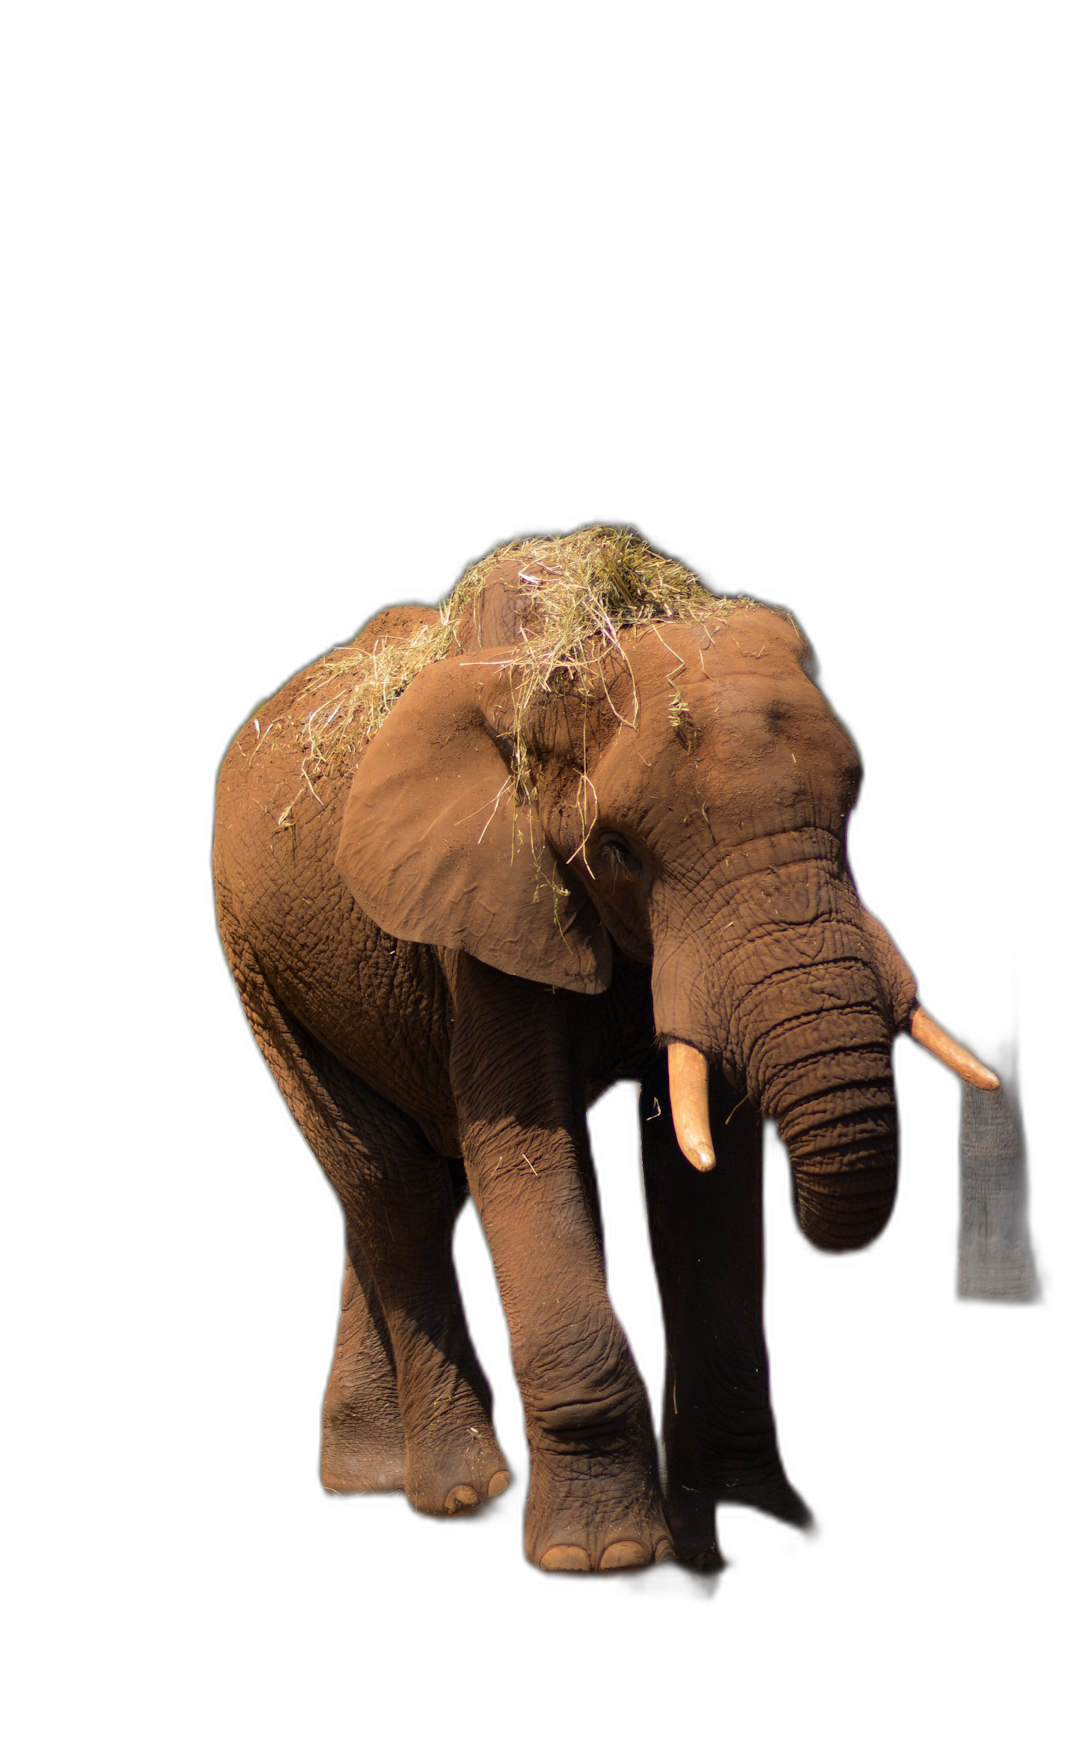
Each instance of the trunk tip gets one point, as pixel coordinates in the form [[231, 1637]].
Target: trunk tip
[[836, 1229]]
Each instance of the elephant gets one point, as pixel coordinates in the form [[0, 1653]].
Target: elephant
[[587, 823]]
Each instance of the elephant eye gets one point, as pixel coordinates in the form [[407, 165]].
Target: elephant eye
[[618, 854]]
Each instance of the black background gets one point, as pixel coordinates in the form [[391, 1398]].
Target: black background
[[904, 524]]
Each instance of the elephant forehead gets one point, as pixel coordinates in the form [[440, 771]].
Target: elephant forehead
[[754, 715], [737, 756], [739, 640], [742, 716]]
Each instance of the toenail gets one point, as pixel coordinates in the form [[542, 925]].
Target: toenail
[[622, 1554], [565, 1559], [664, 1552], [498, 1483], [461, 1498]]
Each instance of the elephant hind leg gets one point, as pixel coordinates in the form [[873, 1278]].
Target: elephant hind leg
[[363, 1442], [400, 1200]]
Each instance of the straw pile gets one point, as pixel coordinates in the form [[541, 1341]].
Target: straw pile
[[585, 589]]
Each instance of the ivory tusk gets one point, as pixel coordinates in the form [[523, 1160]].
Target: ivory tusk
[[688, 1078], [930, 1034]]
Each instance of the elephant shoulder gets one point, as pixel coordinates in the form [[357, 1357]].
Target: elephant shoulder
[[296, 741]]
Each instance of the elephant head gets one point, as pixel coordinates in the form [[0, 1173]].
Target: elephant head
[[682, 799]]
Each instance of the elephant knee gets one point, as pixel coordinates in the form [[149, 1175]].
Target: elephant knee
[[577, 1378]]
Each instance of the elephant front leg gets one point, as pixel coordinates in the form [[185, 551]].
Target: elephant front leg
[[594, 1501], [707, 1238]]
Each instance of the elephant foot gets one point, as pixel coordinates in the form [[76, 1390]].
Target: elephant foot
[[582, 1521], [775, 1497], [359, 1453], [450, 1470], [692, 1512]]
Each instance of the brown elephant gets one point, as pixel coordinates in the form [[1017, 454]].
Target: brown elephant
[[599, 834]]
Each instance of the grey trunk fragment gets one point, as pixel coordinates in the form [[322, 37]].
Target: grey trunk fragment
[[996, 1260]]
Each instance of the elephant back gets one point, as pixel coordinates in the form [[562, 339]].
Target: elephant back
[[284, 778]]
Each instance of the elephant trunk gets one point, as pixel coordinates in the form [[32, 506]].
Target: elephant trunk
[[801, 1007], [834, 1103], [841, 1138], [810, 1038]]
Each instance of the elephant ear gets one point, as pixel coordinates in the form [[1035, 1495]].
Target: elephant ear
[[435, 847]]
